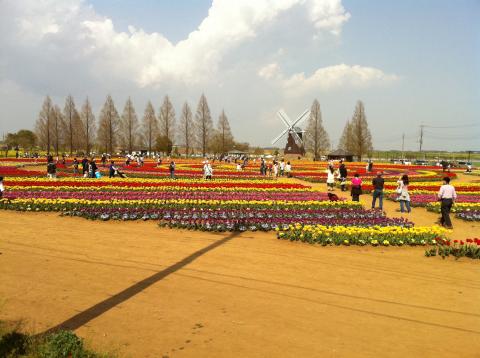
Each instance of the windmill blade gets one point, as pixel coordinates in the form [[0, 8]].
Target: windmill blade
[[280, 136], [283, 116], [302, 116]]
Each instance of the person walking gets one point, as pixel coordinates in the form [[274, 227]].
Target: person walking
[[343, 175], [171, 167], [447, 196], [403, 194], [330, 178], [356, 189], [378, 184]]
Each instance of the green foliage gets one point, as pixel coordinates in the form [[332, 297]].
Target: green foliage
[[62, 344], [13, 344]]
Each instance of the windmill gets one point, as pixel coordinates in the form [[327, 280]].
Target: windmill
[[295, 134]]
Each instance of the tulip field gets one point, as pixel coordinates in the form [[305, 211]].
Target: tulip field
[[192, 264], [235, 200]]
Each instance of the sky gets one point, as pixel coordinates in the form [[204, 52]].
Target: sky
[[411, 62]]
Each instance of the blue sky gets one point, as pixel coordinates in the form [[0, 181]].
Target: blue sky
[[411, 62]]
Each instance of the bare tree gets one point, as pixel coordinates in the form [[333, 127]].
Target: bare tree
[[149, 127], [316, 139], [203, 124], [72, 124], [167, 120], [108, 126], [186, 128], [88, 126], [43, 126], [346, 140], [58, 124], [224, 133], [361, 136], [129, 126]]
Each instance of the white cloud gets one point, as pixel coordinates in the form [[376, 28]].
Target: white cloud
[[270, 71], [326, 78], [150, 58]]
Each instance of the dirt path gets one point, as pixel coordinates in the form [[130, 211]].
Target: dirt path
[[142, 291]]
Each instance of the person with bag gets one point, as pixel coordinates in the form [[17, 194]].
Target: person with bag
[[403, 194], [356, 189], [447, 197]]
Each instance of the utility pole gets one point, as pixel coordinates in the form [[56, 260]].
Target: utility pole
[[403, 146], [421, 137]]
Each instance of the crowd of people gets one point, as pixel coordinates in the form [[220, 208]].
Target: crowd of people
[[447, 195]]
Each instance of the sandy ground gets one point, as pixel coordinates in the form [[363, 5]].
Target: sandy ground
[[140, 291]]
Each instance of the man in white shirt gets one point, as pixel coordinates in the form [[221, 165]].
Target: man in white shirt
[[447, 196]]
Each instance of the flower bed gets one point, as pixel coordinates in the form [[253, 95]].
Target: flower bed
[[374, 235], [469, 248]]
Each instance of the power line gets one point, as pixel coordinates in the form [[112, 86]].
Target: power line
[[456, 126]]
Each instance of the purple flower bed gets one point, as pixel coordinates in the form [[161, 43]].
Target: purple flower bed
[[169, 195], [242, 220], [470, 215], [424, 199]]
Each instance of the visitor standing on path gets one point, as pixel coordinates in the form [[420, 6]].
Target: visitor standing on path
[[447, 196], [403, 194], [378, 184], [343, 175], [356, 189], [330, 178]]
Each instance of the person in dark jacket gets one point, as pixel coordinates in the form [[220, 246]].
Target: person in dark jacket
[[343, 175], [378, 184], [171, 167], [51, 170], [84, 166], [92, 168], [112, 169]]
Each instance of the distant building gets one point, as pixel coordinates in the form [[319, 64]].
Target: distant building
[[340, 154]]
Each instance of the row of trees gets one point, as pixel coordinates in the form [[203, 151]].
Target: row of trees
[[356, 137], [72, 131]]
